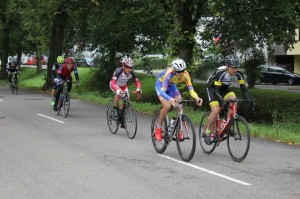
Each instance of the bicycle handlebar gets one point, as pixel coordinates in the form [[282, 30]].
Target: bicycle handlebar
[[242, 100], [189, 101], [133, 92]]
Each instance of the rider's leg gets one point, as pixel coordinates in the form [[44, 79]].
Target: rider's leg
[[230, 95], [58, 91]]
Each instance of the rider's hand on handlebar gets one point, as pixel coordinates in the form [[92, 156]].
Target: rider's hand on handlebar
[[199, 101], [173, 102], [77, 83], [118, 92], [139, 90]]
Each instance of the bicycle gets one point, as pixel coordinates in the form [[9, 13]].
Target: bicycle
[[179, 129], [14, 82], [234, 129], [126, 118], [64, 100]]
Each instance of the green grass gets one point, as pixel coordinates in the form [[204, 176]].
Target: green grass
[[283, 132]]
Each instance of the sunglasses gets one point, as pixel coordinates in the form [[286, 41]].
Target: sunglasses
[[182, 71]]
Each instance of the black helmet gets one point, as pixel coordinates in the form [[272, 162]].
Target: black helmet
[[232, 61]]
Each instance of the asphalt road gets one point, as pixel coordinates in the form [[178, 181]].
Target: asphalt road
[[47, 156]]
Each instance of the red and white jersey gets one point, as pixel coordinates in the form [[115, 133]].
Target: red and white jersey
[[120, 79]]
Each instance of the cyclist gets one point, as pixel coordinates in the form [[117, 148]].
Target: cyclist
[[168, 93], [218, 90], [118, 82], [64, 74], [11, 67], [60, 60]]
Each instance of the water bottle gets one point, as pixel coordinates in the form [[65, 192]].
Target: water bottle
[[172, 124]]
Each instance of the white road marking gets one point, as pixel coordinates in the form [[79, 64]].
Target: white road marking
[[1, 100], [206, 170], [51, 118]]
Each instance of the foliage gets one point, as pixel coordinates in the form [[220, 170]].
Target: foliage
[[243, 25], [254, 59]]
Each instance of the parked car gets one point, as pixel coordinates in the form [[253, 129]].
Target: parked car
[[276, 74]]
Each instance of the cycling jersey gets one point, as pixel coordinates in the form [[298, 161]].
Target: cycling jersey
[[63, 71], [166, 84], [120, 79], [219, 82]]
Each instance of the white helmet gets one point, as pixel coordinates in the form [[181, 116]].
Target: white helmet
[[127, 61], [178, 65]]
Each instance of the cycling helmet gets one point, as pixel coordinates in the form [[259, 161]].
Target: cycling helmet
[[69, 60], [127, 61], [178, 65], [232, 61], [60, 59]]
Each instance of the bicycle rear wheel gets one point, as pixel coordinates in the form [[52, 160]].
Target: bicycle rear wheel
[[66, 104], [238, 139], [130, 121], [112, 121], [186, 138], [159, 146], [207, 148]]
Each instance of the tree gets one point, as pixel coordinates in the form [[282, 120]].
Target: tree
[[122, 26], [242, 25], [183, 15]]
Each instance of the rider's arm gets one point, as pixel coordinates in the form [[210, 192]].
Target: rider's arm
[[189, 85], [54, 71], [243, 87], [165, 82], [113, 81], [76, 73], [136, 80]]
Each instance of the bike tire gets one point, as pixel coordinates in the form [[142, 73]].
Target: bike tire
[[59, 104], [206, 148], [112, 122], [12, 85], [238, 139], [130, 121], [159, 146], [16, 87], [187, 145], [66, 104]]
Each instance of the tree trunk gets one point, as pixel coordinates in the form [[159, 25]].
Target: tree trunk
[[57, 39], [5, 46]]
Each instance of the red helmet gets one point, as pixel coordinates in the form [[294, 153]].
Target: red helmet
[[69, 60]]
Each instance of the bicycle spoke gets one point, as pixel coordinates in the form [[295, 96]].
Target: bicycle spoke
[[159, 146], [186, 139], [130, 121], [207, 148], [238, 140], [112, 122]]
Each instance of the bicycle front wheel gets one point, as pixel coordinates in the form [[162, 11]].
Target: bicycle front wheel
[[207, 148], [159, 146], [112, 121], [66, 104], [16, 86], [186, 138], [238, 139], [130, 121]]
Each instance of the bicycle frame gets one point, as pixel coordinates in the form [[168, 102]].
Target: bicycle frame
[[178, 120], [222, 128]]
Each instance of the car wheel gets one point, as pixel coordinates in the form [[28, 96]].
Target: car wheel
[[291, 81]]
